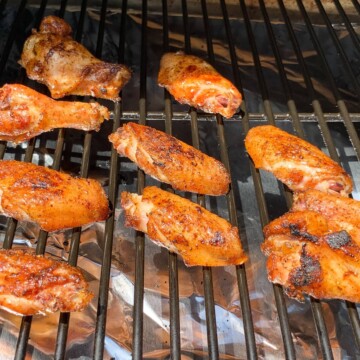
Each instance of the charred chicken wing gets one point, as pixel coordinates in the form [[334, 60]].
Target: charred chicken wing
[[171, 161], [295, 162], [199, 236], [53, 58], [344, 213], [51, 199], [193, 81], [33, 284], [25, 113], [309, 255]]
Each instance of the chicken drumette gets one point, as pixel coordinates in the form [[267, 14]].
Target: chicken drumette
[[25, 113]]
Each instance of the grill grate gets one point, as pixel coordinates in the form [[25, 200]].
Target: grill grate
[[230, 14]]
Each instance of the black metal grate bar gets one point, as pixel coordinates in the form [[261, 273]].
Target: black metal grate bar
[[356, 5], [240, 270], [109, 227], [278, 293], [348, 25], [339, 48], [256, 58], [175, 342], [285, 83], [315, 102], [16, 25], [139, 240]]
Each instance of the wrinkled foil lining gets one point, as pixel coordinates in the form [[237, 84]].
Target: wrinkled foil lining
[[118, 342]]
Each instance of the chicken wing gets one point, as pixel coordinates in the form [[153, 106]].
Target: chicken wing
[[308, 256], [338, 211], [25, 113], [295, 162], [51, 199], [199, 236], [193, 81], [53, 58], [33, 284], [170, 160]]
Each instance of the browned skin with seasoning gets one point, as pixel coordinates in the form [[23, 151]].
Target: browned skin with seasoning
[[170, 160], [199, 236], [344, 213], [309, 255], [51, 199], [53, 58], [193, 81], [25, 113], [295, 162], [33, 284]]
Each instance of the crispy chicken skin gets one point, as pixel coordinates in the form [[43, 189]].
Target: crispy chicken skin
[[33, 284], [295, 162], [338, 211], [25, 113], [307, 255], [53, 58], [193, 81], [51, 199], [199, 236], [170, 160]]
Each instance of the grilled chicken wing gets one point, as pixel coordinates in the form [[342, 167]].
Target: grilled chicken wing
[[53, 58], [193, 81], [295, 162], [170, 160], [51, 199], [25, 113], [344, 213], [306, 254], [33, 284], [199, 236]]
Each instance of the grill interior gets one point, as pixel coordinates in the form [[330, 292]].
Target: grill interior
[[297, 67]]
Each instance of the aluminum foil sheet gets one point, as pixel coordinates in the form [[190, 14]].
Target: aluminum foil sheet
[[230, 330]]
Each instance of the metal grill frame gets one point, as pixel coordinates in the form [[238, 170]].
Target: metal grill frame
[[175, 346]]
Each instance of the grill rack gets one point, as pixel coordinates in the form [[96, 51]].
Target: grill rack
[[142, 114]]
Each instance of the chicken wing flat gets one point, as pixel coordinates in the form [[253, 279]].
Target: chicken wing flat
[[53, 58], [33, 284], [51, 199], [199, 236], [25, 113], [295, 162], [170, 160], [193, 81], [308, 256], [339, 211]]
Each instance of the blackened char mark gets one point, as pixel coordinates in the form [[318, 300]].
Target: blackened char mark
[[295, 231], [309, 271], [338, 239]]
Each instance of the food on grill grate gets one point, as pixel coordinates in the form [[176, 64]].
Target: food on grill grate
[[199, 236], [193, 81], [25, 113], [33, 284], [295, 162], [309, 254], [53, 58], [170, 160], [51, 199], [344, 212]]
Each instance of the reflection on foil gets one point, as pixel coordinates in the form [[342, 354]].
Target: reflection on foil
[[193, 332]]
